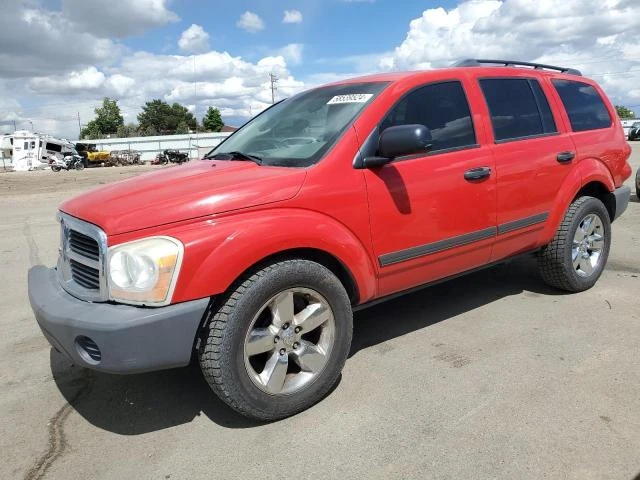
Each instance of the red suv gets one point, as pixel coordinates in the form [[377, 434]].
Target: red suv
[[255, 256]]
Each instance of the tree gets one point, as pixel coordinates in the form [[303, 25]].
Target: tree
[[108, 120], [624, 112], [182, 128], [212, 120], [128, 130], [165, 118]]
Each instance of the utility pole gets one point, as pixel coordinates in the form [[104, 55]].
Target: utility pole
[[14, 126], [274, 86], [79, 127]]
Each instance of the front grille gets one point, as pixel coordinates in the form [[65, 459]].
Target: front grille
[[84, 245], [83, 250], [84, 275]]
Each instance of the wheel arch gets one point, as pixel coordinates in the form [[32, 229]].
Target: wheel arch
[[322, 257], [589, 177], [218, 255]]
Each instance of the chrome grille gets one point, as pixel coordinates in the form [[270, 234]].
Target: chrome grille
[[86, 276], [84, 245], [81, 265]]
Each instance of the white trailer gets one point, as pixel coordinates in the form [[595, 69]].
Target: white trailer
[[23, 150]]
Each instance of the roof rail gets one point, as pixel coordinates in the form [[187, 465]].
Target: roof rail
[[475, 62]]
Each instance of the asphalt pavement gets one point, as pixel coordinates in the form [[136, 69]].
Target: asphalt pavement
[[492, 375]]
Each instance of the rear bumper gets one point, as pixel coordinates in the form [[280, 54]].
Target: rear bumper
[[621, 196], [129, 339]]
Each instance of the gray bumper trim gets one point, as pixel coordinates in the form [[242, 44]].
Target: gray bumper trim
[[621, 196], [131, 339]]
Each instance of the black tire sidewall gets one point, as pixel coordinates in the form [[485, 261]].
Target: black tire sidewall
[[590, 206], [281, 277]]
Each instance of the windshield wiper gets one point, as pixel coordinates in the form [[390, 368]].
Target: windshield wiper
[[234, 156]]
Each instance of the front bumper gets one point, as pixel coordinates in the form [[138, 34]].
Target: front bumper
[[621, 196], [129, 339]]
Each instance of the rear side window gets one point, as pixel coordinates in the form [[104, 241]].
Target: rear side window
[[518, 107], [583, 104], [443, 109]]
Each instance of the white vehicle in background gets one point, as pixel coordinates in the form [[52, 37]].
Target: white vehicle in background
[[23, 150], [627, 124]]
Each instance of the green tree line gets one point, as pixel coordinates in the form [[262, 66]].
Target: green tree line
[[156, 118]]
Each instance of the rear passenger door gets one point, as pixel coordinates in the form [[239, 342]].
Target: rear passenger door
[[533, 155]]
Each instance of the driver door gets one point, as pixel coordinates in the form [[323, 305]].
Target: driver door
[[429, 219]]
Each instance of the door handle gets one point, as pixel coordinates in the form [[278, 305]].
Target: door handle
[[479, 173], [565, 157]]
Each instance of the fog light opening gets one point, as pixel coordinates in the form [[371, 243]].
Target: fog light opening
[[88, 350]]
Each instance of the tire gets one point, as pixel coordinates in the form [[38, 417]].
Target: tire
[[79, 166], [226, 354], [55, 168], [638, 185], [556, 261]]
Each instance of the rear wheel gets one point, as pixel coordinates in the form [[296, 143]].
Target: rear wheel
[[55, 168], [577, 255], [638, 184], [79, 166], [277, 343]]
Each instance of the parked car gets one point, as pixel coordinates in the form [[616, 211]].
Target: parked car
[[255, 258], [634, 132]]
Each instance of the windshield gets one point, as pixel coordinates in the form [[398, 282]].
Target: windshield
[[298, 131]]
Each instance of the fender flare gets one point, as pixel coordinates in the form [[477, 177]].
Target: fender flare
[[587, 171], [217, 254]]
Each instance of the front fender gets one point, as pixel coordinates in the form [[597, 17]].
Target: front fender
[[218, 251], [587, 171]]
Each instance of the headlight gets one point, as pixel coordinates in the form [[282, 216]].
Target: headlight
[[144, 272]]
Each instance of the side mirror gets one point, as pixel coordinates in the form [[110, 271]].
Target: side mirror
[[404, 140]]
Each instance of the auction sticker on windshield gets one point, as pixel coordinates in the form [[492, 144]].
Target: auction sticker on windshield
[[352, 98]]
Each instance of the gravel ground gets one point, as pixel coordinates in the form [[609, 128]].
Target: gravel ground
[[493, 375]]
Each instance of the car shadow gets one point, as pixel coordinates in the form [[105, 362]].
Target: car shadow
[[142, 403]]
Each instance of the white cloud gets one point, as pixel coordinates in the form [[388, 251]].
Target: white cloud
[[194, 39], [33, 41], [292, 16], [597, 36], [89, 79], [292, 53], [250, 22], [118, 18], [50, 77]]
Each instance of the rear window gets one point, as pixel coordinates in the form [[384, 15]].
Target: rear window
[[583, 104], [518, 108]]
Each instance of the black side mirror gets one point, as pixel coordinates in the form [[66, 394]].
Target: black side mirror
[[404, 140]]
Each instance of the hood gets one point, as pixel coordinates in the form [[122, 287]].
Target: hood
[[192, 190]]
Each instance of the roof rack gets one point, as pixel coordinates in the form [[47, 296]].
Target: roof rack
[[475, 62]]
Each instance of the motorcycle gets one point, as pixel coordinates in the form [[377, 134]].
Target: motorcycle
[[69, 162], [173, 156]]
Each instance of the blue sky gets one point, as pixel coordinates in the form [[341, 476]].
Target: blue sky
[[59, 58], [331, 29]]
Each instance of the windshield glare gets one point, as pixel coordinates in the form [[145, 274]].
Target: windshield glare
[[298, 131]]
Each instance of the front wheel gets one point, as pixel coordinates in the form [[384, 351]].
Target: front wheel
[[277, 343], [578, 253]]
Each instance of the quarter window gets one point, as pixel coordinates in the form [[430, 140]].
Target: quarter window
[[518, 108], [583, 104], [443, 109]]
